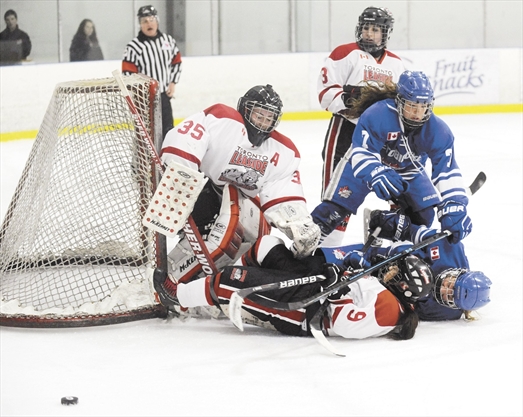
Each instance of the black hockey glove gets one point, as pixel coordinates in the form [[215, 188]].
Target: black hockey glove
[[334, 274], [350, 93], [394, 226]]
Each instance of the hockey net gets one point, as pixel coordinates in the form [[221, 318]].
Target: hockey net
[[73, 250]]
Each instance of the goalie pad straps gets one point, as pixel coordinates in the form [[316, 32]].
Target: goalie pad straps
[[174, 199], [235, 230]]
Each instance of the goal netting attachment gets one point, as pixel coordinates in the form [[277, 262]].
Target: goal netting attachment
[[73, 250]]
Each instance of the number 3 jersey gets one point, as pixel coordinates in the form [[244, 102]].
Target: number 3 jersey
[[215, 142]]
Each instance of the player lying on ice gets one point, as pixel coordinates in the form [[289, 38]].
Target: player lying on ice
[[253, 181], [388, 303]]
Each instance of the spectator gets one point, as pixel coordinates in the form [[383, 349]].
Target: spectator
[[155, 54], [84, 46], [17, 45]]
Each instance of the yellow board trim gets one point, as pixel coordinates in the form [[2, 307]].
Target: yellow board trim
[[318, 115]]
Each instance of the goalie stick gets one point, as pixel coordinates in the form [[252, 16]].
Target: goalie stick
[[237, 298], [197, 244]]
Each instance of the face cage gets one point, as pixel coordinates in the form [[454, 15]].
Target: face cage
[[371, 46], [401, 103], [265, 123], [448, 277], [390, 276]]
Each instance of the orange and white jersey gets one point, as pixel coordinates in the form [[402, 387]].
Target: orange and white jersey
[[368, 310], [215, 142]]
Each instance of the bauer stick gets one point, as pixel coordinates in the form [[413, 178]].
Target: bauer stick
[[197, 244], [237, 298]]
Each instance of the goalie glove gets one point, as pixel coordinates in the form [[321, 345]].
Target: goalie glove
[[293, 220]]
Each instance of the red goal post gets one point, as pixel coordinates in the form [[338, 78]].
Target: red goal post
[[73, 249]]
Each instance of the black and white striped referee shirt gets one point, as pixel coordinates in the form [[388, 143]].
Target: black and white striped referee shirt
[[157, 57]]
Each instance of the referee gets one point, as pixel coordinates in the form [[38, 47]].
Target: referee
[[155, 54]]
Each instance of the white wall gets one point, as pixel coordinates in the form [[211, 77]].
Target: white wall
[[461, 77]]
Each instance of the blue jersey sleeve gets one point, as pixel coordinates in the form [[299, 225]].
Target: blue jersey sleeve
[[438, 141]]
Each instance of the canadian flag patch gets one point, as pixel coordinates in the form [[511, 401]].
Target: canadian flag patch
[[434, 253], [393, 135]]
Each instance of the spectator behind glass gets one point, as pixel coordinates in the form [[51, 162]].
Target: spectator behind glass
[[84, 46], [15, 43]]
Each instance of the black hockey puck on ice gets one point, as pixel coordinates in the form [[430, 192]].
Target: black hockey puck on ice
[[69, 400]]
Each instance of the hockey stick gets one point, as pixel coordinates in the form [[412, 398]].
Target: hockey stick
[[477, 183], [237, 298], [470, 190], [197, 244]]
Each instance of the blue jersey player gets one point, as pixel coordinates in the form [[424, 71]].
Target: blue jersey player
[[456, 289], [394, 139]]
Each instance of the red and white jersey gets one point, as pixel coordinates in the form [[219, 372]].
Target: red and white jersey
[[368, 310], [215, 142], [349, 65]]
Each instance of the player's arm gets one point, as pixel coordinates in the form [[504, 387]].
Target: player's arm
[[446, 176], [187, 143], [331, 80]]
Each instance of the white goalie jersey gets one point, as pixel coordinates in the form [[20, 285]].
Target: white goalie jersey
[[215, 142]]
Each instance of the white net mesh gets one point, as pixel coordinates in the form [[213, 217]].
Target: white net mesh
[[72, 236]]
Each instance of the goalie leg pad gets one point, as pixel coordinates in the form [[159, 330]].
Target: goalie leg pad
[[227, 240]]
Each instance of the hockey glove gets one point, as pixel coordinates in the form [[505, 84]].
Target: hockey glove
[[328, 216], [453, 217], [356, 260], [386, 183], [306, 237], [350, 93], [394, 226]]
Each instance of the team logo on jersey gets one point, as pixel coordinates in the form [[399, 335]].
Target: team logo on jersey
[[344, 192], [338, 253], [241, 179], [371, 73], [251, 167], [238, 274], [434, 253], [393, 135]]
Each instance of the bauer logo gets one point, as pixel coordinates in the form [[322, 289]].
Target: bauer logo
[[298, 281]]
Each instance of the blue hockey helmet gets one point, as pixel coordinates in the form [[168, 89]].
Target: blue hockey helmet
[[414, 99], [462, 289], [374, 16], [261, 110]]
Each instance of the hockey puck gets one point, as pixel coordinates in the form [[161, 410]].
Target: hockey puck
[[69, 400]]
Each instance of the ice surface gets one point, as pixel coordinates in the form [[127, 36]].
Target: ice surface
[[207, 367]]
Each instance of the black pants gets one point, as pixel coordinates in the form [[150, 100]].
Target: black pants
[[167, 115]]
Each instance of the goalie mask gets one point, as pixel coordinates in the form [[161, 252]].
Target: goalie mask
[[415, 99], [261, 111], [409, 279], [373, 19], [462, 289]]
